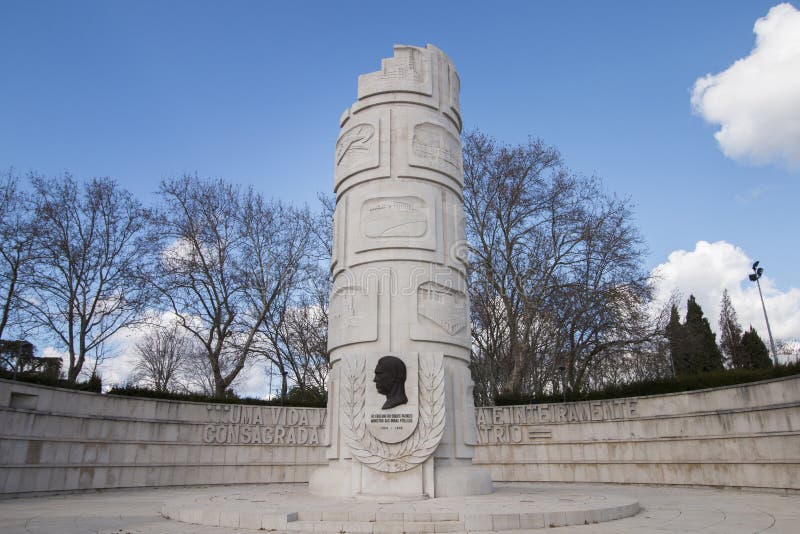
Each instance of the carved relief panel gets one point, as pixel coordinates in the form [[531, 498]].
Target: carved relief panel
[[353, 312], [363, 146], [442, 311], [384, 216], [356, 147], [443, 306], [433, 146], [399, 216]]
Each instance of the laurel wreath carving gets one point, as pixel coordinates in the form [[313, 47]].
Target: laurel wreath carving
[[415, 449]]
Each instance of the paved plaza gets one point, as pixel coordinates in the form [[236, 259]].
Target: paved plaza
[[663, 509]]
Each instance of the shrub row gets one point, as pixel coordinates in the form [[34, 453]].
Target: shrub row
[[318, 399], [94, 384], [659, 387], [307, 399], [311, 399]]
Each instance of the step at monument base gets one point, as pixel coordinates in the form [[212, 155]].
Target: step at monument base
[[291, 509]]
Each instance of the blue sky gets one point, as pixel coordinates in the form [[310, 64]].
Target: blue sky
[[252, 92]]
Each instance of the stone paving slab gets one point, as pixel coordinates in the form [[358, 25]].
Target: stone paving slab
[[664, 509]]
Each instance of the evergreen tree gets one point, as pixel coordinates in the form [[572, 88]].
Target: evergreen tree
[[675, 334], [754, 353], [730, 331], [703, 353]]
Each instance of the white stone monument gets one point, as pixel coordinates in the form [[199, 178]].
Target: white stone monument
[[401, 420]]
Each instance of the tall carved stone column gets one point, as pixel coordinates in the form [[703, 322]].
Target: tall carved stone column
[[400, 409]]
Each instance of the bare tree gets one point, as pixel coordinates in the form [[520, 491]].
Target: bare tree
[[308, 325], [556, 275], [91, 252], [789, 350], [163, 358], [17, 233], [297, 331], [296, 335], [227, 257], [199, 375]]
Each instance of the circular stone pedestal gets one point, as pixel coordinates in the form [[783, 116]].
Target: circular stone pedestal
[[290, 508]]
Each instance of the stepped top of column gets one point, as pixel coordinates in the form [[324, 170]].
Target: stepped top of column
[[414, 75]]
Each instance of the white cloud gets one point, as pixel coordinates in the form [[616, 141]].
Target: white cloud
[[254, 381], [713, 267], [756, 101]]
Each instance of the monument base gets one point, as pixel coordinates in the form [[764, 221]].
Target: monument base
[[349, 478], [461, 480], [442, 479], [291, 508], [331, 481]]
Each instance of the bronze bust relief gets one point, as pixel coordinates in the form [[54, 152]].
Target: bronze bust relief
[[390, 380]]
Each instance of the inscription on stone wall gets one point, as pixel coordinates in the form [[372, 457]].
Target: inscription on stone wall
[[394, 217], [264, 425], [522, 424], [511, 434]]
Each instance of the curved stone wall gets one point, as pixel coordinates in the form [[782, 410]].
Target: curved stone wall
[[59, 440], [739, 436], [55, 439]]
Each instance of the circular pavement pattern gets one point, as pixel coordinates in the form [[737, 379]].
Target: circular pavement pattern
[[663, 509]]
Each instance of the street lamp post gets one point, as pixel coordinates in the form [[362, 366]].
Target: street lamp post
[[757, 272]]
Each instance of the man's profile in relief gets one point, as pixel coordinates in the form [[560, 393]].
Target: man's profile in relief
[[390, 380]]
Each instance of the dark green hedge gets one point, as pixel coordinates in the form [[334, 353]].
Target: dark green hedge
[[293, 398], [94, 383], [318, 399], [296, 398], [512, 399], [659, 387]]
